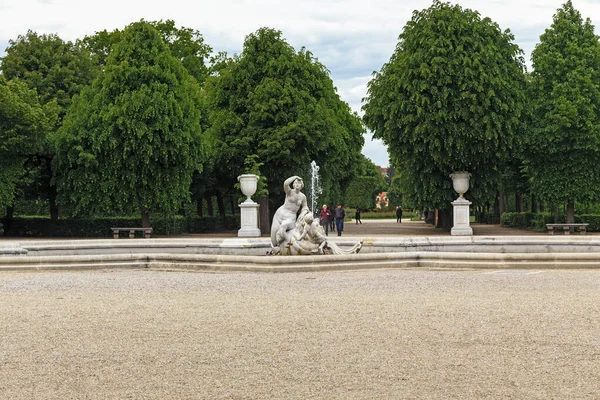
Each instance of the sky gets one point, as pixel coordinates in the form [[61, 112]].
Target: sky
[[352, 38]]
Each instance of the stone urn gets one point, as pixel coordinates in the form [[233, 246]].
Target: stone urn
[[460, 182], [248, 184]]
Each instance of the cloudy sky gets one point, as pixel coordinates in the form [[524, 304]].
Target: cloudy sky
[[352, 38]]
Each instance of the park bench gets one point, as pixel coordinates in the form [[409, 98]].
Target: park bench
[[566, 228], [147, 232]]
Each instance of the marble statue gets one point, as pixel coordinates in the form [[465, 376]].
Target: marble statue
[[295, 231], [284, 220]]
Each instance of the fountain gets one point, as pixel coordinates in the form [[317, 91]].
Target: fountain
[[295, 230], [315, 187]]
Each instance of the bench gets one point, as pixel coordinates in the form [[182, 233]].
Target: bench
[[566, 228], [147, 232]]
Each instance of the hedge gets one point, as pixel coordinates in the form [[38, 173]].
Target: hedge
[[538, 221], [100, 227]]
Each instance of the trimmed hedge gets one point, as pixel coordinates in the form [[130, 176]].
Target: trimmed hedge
[[538, 221], [100, 227]]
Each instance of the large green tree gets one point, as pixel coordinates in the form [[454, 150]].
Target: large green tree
[[132, 140], [564, 141], [281, 105], [22, 126], [56, 70], [185, 44], [449, 99]]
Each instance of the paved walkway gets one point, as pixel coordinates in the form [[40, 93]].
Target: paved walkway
[[389, 227], [372, 228]]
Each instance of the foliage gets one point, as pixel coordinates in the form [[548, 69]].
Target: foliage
[[22, 125], [252, 166], [450, 99], [362, 191], [56, 70], [378, 213], [563, 144], [364, 188], [282, 106], [100, 226], [538, 221], [185, 44], [522, 220], [132, 139]]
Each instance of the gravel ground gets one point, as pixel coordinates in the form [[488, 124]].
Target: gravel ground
[[386, 334]]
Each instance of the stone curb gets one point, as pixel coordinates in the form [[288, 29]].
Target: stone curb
[[212, 262]]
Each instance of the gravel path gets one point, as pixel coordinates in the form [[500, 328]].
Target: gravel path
[[385, 334]]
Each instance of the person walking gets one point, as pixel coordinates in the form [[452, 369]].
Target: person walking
[[331, 221], [324, 216], [339, 213], [399, 215], [357, 216]]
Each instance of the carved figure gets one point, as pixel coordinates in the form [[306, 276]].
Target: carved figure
[[284, 219], [302, 235]]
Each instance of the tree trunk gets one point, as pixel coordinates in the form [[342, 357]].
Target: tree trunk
[[199, 206], [7, 222], [220, 203], [209, 206], [501, 203], [265, 226], [570, 212], [145, 219], [444, 219], [232, 204], [519, 202], [556, 214], [533, 204], [52, 192]]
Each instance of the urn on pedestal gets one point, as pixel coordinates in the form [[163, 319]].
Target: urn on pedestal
[[248, 184], [248, 208], [461, 217]]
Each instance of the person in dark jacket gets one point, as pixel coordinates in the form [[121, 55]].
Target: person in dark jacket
[[339, 214], [357, 216], [399, 215], [324, 216]]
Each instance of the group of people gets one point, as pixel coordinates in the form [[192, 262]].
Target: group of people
[[332, 220]]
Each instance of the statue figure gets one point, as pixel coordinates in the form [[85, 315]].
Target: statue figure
[[284, 219], [293, 234], [308, 237]]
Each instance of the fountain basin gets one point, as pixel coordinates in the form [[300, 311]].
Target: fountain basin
[[239, 254]]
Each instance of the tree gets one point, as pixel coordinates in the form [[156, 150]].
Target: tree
[[56, 70], [364, 188], [449, 99], [280, 105], [22, 124], [564, 140], [132, 140], [185, 44]]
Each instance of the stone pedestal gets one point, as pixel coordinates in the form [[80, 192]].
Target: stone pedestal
[[461, 218], [249, 220]]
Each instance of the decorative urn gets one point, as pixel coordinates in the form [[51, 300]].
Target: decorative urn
[[248, 184], [460, 182]]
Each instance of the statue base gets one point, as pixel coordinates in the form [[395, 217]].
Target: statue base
[[249, 220], [461, 218]]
